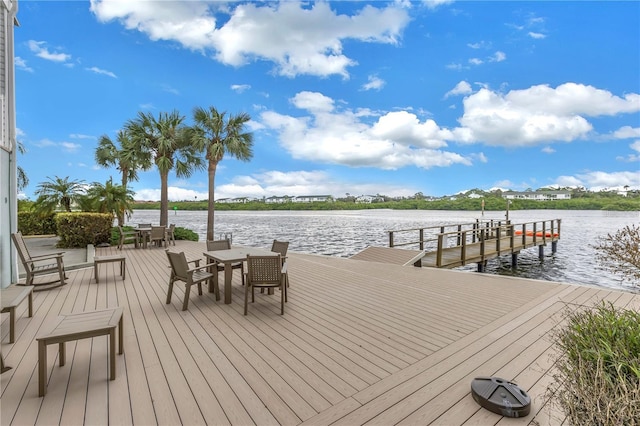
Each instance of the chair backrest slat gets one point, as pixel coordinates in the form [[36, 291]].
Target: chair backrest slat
[[179, 264], [157, 232], [264, 269], [21, 247], [213, 245], [280, 247]]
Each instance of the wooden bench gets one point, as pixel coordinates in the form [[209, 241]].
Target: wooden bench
[[106, 259], [11, 297], [80, 326]]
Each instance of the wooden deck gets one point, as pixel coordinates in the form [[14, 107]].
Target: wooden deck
[[360, 343]]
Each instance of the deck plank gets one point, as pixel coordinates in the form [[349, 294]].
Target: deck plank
[[360, 341]]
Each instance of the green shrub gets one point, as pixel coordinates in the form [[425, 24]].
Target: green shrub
[[185, 234], [32, 223], [598, 367], [81, 229]]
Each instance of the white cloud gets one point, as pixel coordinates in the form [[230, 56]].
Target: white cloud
[[498, 57], [374, 83], [297, 38], [21, 64], [41, 51], [476, 61], [633, 157], [548, 150], [454, 66], [598, 181], [536, 35], [81, 136], [480, 45], [70, 146], [432, 4], [101, 71], [626, 132], [462, 88], [43, 143], [239, 88], [537, 115], [169, 89], [174, 194], [341, 136]]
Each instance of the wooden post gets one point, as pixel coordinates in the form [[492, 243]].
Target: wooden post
[[422, 239], [463, 249], [439, 252], [541, 252], [390, 238], [514, 260]]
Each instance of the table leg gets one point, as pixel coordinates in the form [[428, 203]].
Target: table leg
[[112, 354], [228, 274], [121, 335], [62, 353], [12, 324], [42, 367]]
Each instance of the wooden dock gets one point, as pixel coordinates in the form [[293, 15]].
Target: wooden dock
[[360, 342], [450, 246]]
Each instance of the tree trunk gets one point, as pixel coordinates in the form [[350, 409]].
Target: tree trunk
[[164, 198], [120, 215], [212, 203]]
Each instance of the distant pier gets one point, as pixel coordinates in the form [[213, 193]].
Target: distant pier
[[450, 246]]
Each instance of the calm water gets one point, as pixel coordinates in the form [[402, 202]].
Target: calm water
[[344, 233]]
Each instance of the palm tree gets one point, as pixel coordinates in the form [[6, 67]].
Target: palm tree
[[165, 142], [128, 159], [58, 192], [218, 134], [22, 178], [110, 198]]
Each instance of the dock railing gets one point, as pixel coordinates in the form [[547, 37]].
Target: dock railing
[[495, 236]]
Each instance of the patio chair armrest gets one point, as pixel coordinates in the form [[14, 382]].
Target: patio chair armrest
[[47, 256], [199, 268], [284, 268], [196, 262]]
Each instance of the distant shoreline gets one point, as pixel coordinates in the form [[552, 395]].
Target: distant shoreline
[[591, 202]]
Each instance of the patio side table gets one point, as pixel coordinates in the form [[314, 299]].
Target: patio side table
[[78, 326]]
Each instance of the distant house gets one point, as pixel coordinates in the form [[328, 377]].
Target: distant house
[[368, 199], [240, 200], [277, 200], [474, 195], [537, 195], [311, 198]]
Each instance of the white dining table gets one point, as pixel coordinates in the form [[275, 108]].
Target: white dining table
[[229, 257]]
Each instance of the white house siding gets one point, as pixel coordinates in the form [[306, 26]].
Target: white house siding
[[8, 190]]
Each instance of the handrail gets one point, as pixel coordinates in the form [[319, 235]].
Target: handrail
[[438, 237]]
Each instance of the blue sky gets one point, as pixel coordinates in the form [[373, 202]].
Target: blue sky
[[359, 97]]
